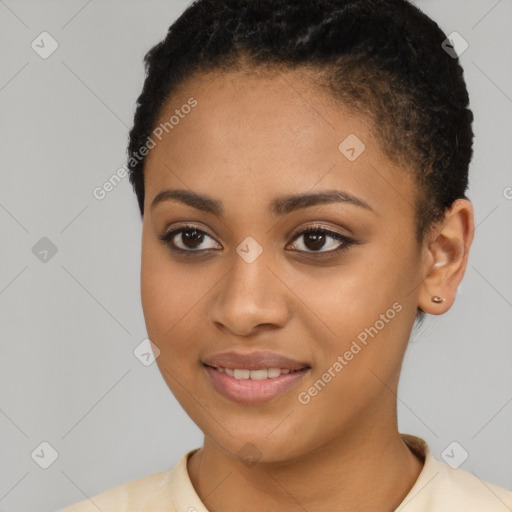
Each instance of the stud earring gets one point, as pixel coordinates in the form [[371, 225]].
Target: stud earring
[[437, 299]]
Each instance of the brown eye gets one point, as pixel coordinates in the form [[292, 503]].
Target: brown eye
[[314, 239], [191, 238], [188, 239]]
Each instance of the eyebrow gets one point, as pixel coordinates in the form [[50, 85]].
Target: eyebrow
[[278, 206]]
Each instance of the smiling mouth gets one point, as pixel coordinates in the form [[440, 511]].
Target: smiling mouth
[[256, 385], [258, 374]]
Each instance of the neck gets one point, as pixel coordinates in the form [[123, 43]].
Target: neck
[[366, 469]]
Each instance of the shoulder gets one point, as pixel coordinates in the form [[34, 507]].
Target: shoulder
[[158, 491], [461, 488], [128, 496], [442, 488]]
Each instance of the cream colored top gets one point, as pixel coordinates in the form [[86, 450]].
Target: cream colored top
[[439, 488]]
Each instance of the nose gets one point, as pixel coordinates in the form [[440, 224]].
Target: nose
[[250, 298]]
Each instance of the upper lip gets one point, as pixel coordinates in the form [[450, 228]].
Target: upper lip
[[253, 361]]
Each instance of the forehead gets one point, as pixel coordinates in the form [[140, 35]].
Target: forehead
[[264, 135]]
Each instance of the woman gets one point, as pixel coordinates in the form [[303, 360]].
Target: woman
[[301, 170]]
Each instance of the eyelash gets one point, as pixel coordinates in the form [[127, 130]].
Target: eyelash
[[347, 242]]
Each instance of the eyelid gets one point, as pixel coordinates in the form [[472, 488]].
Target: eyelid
[[188, 225], [169, 234], [318, 226], [345, 241]]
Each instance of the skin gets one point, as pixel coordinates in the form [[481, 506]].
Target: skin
[[249, 140]]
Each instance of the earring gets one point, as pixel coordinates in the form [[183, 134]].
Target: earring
[[437, 299]]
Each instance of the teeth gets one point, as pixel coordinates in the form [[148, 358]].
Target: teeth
[[242, 374], [258, 374], [262, 374]]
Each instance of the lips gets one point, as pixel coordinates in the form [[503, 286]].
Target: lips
[[253, 361], [253, 377]]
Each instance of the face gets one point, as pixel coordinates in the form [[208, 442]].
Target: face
[[233, 279]]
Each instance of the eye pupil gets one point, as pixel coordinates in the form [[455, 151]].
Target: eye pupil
[[315, 238], [192, 236]]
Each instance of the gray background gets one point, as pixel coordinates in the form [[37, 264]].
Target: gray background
[[68, 328]]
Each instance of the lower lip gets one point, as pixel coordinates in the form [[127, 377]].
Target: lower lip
[[249, 391]]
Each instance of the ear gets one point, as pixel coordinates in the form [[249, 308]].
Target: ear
[[446, 258]]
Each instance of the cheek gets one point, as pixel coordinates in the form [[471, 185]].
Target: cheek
[[348, 298], [173, 299], [363, 309], [359, 361], [168, 306], [163, 294]]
